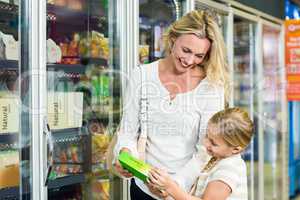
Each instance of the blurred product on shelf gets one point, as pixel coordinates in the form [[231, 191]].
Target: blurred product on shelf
[[71, 4], [100, 142], [60, 2], [9, 168], [65, 109], [8, 47], [68, 159], [101, 97], [75, 4], [51, 1], [5, 1], [8, 81], [158, 40], [96, 46], [54, 52], [9, 113], [144, 54], [100, 189]]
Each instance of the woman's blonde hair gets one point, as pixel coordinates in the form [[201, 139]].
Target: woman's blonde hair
[[234, 126], [204, 25]]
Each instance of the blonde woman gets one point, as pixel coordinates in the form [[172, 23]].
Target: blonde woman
[[225, 175], [184, 90]]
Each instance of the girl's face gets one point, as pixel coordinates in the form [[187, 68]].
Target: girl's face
[[215, 145], [189, 51]]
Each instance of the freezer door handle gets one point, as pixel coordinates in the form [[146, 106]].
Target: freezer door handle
[[49, 146]]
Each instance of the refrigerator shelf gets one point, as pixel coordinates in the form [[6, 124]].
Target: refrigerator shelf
[[8, 138], [66, 14], [67, 68], [9, 8], [62, 134], [10, 193], [8, 64], [64, 181]]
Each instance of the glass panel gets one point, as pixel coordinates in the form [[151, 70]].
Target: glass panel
[[296, 129], [83, 96], [14, 143], [272, 121], [244, 71], [155, 17]]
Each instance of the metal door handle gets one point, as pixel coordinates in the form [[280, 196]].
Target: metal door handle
[[49, 144]]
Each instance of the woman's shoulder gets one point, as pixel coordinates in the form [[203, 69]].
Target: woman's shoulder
[[210, 88]]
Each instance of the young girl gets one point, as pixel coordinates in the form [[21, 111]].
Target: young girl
[[224, 176]]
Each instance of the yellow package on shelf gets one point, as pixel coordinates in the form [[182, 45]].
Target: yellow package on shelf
[[65, 109], [9, 113], [9, 169]]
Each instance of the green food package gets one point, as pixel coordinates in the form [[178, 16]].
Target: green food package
[[137, 167]]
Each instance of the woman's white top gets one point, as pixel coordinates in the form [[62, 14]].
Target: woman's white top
[[175, 127], [232, 171]]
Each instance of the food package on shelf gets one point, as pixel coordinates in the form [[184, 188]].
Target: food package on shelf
[[100, 142], [101, 95], [100, 189], [9, 113], [60, 2], [51, 1], [84, 47], [144, 54], [65, 109], [96, 46], [9, 168], [8, 47], [75, 4], [70, 50], [54, 53]]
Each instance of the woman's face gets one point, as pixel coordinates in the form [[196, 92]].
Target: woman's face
[[188, 51]]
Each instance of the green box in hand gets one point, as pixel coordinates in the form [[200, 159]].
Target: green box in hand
[[137, 167]]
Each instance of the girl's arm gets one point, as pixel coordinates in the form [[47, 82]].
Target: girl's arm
[[217, 190], [178, 194]]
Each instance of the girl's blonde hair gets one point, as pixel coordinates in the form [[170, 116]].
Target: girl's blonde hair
[[204, 25], [234, 126]]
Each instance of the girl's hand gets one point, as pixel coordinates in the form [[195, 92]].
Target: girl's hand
[[160, 178], [157, 191]]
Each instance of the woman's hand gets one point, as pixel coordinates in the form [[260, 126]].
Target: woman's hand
[[119, 167]]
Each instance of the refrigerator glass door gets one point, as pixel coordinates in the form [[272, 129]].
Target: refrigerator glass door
[[243, 89], [83, 97], [272, 118], [154, 18], [15, 89]]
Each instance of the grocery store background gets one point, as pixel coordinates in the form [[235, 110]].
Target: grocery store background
[[64, 65]]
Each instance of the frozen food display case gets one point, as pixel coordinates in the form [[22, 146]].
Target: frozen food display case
[[83, 97], [244, 70], [154, 18], [16, 164], [272, 112]]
